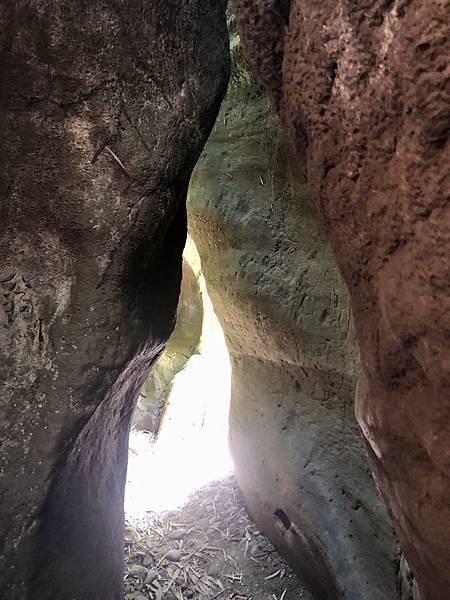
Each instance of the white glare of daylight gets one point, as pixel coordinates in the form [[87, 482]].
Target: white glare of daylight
[[192, 445]]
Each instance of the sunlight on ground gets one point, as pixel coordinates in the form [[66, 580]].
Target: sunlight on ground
[[192, 446]]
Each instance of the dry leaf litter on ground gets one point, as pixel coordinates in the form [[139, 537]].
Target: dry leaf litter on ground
[[208, 549]]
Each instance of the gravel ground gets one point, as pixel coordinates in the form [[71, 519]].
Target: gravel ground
[[208, 549]]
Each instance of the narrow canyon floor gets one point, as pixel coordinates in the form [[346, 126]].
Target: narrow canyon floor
[[209, 548]]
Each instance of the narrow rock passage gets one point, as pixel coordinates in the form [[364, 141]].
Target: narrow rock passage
[[208, 549], [188, 533], [190, 447]]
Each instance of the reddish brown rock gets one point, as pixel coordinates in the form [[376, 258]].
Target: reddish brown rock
[[364, 89], [105, 107]]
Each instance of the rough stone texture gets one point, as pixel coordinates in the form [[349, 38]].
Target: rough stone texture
[[284, 308], [105, 106], [407, 585], [363, 89], [183, 343]]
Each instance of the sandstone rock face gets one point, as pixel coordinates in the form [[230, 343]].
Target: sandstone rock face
[[104, 110], [183, 343], [286, 315], [363, 89]]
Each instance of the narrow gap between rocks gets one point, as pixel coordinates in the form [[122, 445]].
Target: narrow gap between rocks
[[186, 445], [188, 533]]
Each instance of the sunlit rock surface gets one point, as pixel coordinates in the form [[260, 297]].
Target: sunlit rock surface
[[286, 314], [183, 343], [105, 107]]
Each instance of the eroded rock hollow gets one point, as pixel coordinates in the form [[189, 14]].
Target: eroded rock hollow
[[363, 91], [105, 107]]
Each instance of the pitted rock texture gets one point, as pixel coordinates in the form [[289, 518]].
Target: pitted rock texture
[[105, 107], [285, 311], [363, 90]]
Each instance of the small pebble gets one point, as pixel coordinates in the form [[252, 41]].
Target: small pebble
[[147, 560], [151, 576], [138, 571], [176, 534], [173, 555]]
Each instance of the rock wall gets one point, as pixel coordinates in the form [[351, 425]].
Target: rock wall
[[286, 315], [105, 107], [183, 343], [363, 90]]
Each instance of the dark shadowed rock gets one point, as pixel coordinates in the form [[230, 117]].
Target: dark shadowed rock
[[105, 107], [363, 89]]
